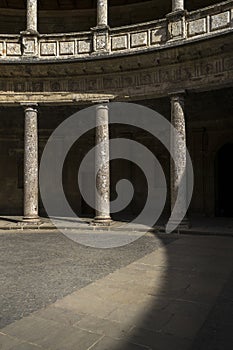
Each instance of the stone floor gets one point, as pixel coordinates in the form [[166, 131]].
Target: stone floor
[[157, 293], [199, 225]]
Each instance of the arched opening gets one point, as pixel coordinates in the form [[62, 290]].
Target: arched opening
[[223, 181]]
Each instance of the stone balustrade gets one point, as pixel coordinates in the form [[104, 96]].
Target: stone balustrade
[[175, 29]]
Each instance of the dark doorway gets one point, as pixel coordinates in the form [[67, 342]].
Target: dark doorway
[[224, 181]]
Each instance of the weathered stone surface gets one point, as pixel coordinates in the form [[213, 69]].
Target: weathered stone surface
[[102, 13], [158, 34], [177, 5], [176, 29], [139, 39], [32, 15], [13, 49], [30, 164], [48, 48], [84, 46], [220, 20], [1, 48], [66, 47], [102, 164], [101, 42], [119, 42], [197, 27], [179, 163]]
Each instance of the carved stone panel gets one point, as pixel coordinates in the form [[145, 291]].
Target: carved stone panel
[[13, 49], [66, 47], [101, 42], [158, 34], [1, 48], [197, 27], [119, 42], [48, 49], [84, 46], [139, 39], [30, 46], [220, 20], [176, 29]]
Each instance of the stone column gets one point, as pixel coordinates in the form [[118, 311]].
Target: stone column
[[177, 5], [30, 164], [178, 144], [32, 16], [102, 157], [102, 13]]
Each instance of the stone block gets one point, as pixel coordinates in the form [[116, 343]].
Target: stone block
[[1, 48], [48, 49], [197, 27], [7, 343], [13, 49], [220, 20], [101, 42], [176, 29], [66, 47], [158, 35], [119, 42], [139, 39], [84, 46], [62, 316]]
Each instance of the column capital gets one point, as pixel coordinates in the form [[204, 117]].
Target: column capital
[[30, 106], [103, 101], [177, 94]]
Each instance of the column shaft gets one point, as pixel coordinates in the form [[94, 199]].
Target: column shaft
[[102, 13], [177, 5], [102, 165], [178, 144], [30, 164], [32, 16]]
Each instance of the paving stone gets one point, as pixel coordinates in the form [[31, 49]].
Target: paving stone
[[37, 269], [66, 317], [111, 344], [32, 329], [158, 340], [26, 346], [104, 327], [69, 338], [6, 342]]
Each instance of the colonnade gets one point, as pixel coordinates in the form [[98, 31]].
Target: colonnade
[[102, 216], [102, 134], [102, 13]]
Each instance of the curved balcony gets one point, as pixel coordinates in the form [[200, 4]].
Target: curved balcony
[[177, 28]]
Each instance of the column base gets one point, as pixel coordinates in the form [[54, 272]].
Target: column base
[[101, 221], [31, 219], [183, 225]]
